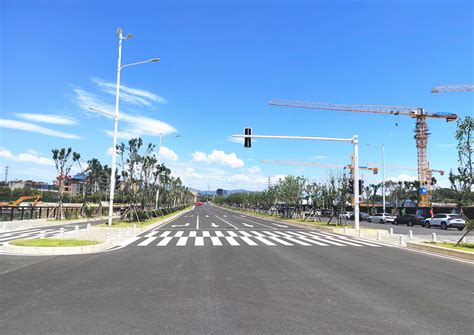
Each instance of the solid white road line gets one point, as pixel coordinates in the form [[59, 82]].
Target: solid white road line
[[280, 225], [146, 242], [230, 224], [199, 241], [216, 241], [247, 225], [164, 242], [182, 241], [180, 225], [197, 222], [192, 233]]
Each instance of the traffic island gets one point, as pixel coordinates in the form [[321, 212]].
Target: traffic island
[[51, 246], [445, 248]]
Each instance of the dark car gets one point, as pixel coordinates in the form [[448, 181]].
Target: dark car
[[362, 216], [326, 212], [410, 220]]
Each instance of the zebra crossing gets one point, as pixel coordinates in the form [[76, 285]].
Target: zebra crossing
[[218, 238], [28, 234]]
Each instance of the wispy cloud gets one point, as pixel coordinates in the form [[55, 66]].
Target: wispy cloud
[[130, 95], [25, 157], [135, 125], [25, 126], [318, 157], [48, 118]]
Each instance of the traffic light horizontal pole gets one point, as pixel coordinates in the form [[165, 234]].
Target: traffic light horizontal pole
[[307, 138]]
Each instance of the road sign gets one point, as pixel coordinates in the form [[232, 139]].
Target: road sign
[[423, 190]]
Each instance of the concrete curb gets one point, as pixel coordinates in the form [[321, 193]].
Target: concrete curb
[[51, 251], [441, 250]]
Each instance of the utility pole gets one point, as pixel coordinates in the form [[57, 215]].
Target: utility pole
[[6, 175]]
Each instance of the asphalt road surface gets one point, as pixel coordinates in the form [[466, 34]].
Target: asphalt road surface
[[212, 271]]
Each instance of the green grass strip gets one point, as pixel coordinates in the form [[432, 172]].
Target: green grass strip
[[452, 245], [126, 224], [52, 242]]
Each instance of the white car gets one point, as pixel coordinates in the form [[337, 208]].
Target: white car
[[445, 221], [345, 215], [382, 218]]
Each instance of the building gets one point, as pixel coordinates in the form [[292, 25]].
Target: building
[[220, 191], [73, 185]]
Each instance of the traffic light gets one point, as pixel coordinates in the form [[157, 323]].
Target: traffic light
[[248, 140], [351, 186], [361, 185]]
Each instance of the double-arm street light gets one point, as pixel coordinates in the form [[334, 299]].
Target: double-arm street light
[[114, 148]]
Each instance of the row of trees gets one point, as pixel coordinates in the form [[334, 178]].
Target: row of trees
[[142, 182]]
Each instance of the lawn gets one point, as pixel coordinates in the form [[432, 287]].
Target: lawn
[[462, 246], [52, 242]]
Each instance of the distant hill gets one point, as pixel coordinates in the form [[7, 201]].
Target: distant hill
[[229, 192]]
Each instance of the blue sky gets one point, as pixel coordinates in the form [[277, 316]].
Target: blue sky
[[221, 62]]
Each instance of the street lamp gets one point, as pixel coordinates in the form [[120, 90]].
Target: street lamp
[[114, 154], [383, 173]]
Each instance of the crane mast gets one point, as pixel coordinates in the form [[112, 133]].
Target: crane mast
[[453, 88], [421, 131]]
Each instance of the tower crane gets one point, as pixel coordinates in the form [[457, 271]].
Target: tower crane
[[421, 130], [453, 88], [441, 172]]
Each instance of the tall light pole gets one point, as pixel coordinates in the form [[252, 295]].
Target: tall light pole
[[383, 175], [117, 95]]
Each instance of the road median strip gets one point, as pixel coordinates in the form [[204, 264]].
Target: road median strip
[[441, 250]]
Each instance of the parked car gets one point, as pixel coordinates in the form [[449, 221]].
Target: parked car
[[326, 212], [445, 221], [410, 220], [362, 216], [345, 215], [381, 218], [311, 213], [197, 204]]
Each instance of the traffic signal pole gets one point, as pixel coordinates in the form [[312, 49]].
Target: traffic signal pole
[[354, 140]]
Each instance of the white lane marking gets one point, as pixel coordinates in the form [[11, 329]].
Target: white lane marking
[[199, 241], [164, 242], [247, 225], [192, 233], [197, 222], [219, 233], [248, 240], [146, 242], [207, 215], [232, 241], [294, 240], [261, 224], [216, 241], [151, 234], [180, 225], [280, 225], [166, 233], [129, 241], [339, 239], [355, 239], [323, 240], [214, 225], [246, 234], [230, 224], [231, 233], [305, 238], [279, 240], [179, 233], [224, 215], [261, 238], [206, 234], [182, 241]]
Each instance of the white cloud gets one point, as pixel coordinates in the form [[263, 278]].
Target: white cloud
[[130, 95], [254, 170], [134, 125], [25, 157], [402, 177], [239, 140], [220, 157], [25, 126], [33, 152], [110, 151], [167, 154], [47, 118], [318, 157]]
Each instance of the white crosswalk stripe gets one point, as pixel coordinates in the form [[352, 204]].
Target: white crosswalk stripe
[[287, 238]]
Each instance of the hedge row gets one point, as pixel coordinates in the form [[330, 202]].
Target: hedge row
[[145, 215]]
